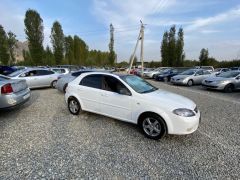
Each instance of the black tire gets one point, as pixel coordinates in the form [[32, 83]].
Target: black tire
[[53, 84], [190, 83], [165, 79], [229, 88], [74, 102], [64, 88], [159, 128]]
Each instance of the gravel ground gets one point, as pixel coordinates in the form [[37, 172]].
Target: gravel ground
[[42, 140]]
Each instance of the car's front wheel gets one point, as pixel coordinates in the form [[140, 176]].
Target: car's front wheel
[[190, 82], [74, 106], [229, 88], [54, 84], [153, 126]]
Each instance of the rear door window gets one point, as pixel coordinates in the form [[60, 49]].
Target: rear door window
[[44, 72], [93, 81]]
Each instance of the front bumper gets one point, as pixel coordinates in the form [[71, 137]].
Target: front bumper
[[184, 125], [213, 86], [179, 82], [14, 99]]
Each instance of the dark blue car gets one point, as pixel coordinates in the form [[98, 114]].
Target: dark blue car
[[5, 70], [168, 73]]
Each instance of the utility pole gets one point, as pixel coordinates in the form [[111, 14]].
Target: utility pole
[[140, 37]]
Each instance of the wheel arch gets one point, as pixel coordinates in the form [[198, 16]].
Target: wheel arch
[[140, 118]]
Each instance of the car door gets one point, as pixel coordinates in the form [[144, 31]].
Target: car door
[[237, 80], [198, 77], [44, 78], [89, 90], [30, 77], [115, 99]]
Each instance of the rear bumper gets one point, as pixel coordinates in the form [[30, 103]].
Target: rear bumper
[[14, 99]]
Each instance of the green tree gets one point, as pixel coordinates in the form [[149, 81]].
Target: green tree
[[12, 43], [34, 31], [112, 55], [49, 58], [69, 50], [4, 56], [203, 58], [172, 46], [179, 48], [80, 51], [57, 39], [164, 49]]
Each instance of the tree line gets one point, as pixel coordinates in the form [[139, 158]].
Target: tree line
[[65, 49]]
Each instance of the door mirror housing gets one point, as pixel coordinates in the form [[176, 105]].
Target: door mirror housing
[[124, 91], [23, 75], [238, 77]]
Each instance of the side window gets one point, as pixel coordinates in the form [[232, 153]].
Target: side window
[[114, 85], [93, 81], [29, 74], [199, 72], [206, 72], [44, 72]]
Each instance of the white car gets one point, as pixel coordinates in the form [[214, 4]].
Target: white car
[[130, 98]]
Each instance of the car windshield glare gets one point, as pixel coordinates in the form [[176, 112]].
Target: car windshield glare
[[138, 84], [188, 72], [16, 73], [229, 74]]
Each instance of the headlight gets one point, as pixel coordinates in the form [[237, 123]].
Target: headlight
[[184, 112]]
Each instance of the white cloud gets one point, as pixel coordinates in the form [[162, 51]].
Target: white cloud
[[219, 18]]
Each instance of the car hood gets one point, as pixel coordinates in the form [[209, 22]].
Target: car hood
[[169, 99], [181, 76], [218, 79]]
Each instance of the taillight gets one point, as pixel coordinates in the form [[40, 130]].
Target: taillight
[[6, 89]]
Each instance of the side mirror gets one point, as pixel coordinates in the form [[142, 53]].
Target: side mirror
[[124, 91], [238, 78]]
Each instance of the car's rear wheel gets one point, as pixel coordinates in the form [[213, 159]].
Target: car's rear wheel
[[153, 126], [190, 82], [74, 106], [54, 84], [229, 88], [165, 79]]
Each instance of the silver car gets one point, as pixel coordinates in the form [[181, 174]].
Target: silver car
[[60, 70], [63, 80], [227, 81], [152, 73], [190, 77], [13, 92], [37, 77]]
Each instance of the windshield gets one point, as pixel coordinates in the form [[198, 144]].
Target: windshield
[[229, 74], [138, 84], [16, 73], [188, 72]]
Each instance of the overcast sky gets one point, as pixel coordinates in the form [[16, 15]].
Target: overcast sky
[[212, 24]]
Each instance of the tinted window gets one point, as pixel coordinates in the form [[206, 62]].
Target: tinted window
[[29, 74], [44, 72], [206, 72], [199, 72], [93, 81], [113, 84]]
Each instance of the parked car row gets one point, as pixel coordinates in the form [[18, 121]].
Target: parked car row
[[224, 79]]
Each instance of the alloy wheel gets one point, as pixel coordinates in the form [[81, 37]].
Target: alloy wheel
[[73, 106], [151, 127]]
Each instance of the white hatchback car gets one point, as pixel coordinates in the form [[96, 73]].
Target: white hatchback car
[[130, 98]]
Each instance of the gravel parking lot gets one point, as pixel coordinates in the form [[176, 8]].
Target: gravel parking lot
[[43, 140]]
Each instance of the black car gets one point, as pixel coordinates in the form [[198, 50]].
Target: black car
[[5, 70], [168, 73]]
